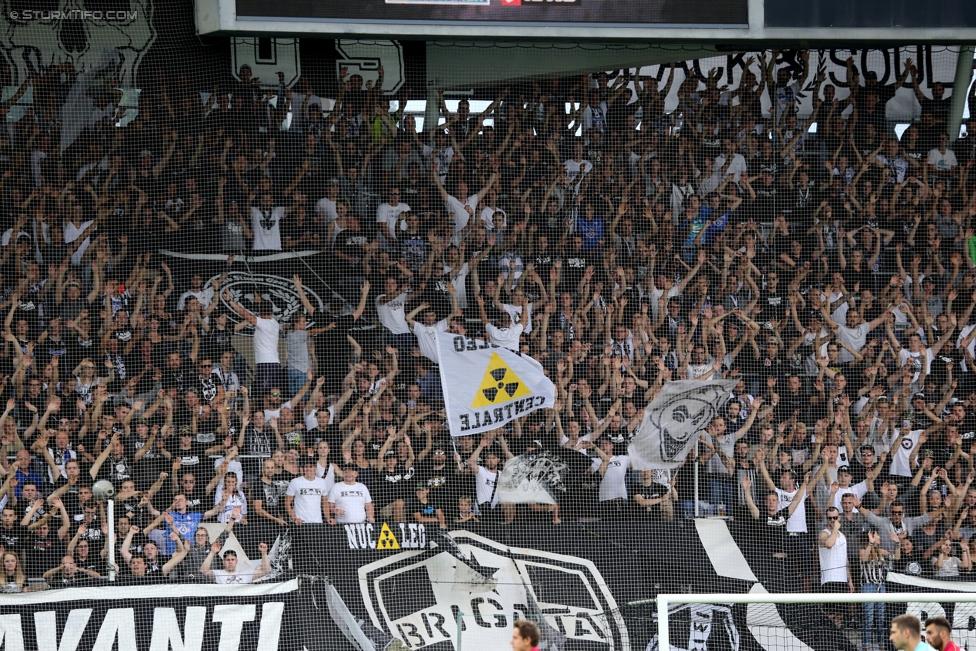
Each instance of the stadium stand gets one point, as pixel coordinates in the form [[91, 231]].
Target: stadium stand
[[221, 295]]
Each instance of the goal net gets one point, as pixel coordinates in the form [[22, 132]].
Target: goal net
[[803, 622]]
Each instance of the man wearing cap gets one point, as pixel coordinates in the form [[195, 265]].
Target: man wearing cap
[[307, 495], [835, 568], [69, 299], [844, 487], [349, 502], [920, 415], [442, 479]]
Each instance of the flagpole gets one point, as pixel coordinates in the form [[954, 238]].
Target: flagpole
[[696, 474], [334, 292]]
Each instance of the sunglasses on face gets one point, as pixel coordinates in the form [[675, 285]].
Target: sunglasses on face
[[275, 395]]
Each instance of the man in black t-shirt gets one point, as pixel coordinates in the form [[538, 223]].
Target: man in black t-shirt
[[190, 486], [966, 421], [266, 510], [69, 575], [193, 456], [443, 480], [767, 534], [389, 488], [112, 464], [180, 372], [331, 345], [13, 536], [421, 508]]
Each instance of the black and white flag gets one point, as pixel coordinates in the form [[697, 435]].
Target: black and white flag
[[671, 424], [532, 478]]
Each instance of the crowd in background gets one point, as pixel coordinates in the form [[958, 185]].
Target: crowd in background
[[620, 244]]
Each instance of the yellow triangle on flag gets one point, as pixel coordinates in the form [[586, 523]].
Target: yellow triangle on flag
[[387, 540], [499, 385]]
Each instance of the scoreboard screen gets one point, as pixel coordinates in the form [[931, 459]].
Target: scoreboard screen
[[577, 13]]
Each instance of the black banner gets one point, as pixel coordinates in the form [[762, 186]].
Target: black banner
[[582, 584], [269, 276], [256, 617]]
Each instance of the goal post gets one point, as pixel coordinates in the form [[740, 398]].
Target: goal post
[[666, 608]]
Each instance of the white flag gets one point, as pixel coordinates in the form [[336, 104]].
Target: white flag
[[671, 424], [486, 386]]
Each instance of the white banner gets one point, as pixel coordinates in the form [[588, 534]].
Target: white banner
[[486, 386], [672, 422]]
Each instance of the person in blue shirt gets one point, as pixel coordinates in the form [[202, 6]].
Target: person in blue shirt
[[906, 634], [590, 226], [178, 519], [26, 472]]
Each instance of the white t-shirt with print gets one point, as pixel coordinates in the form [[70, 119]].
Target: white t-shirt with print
[[352, 500], [307, 505]]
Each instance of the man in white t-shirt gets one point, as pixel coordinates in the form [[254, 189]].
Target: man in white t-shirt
[[612, 469], [266, 331], [387, 219], [392, 316], [577, 167], [426, 331], [730, 162], [487, 476], [266, 223], [233, 572], [306, 497], [663, 285], [350, 502], [326, 206], [844, 486], [203, 293], [855, 333], [460, 205], [941, 160], [916, 353], [900, 443], [440, 154], [967, 340], [506, 334]]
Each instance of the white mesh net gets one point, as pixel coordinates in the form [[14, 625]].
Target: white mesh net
[[235, 272]]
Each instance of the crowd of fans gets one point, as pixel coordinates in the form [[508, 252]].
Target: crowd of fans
[[620, 244]]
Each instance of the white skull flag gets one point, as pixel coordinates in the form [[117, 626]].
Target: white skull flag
[[533, 478], [673, 420]]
